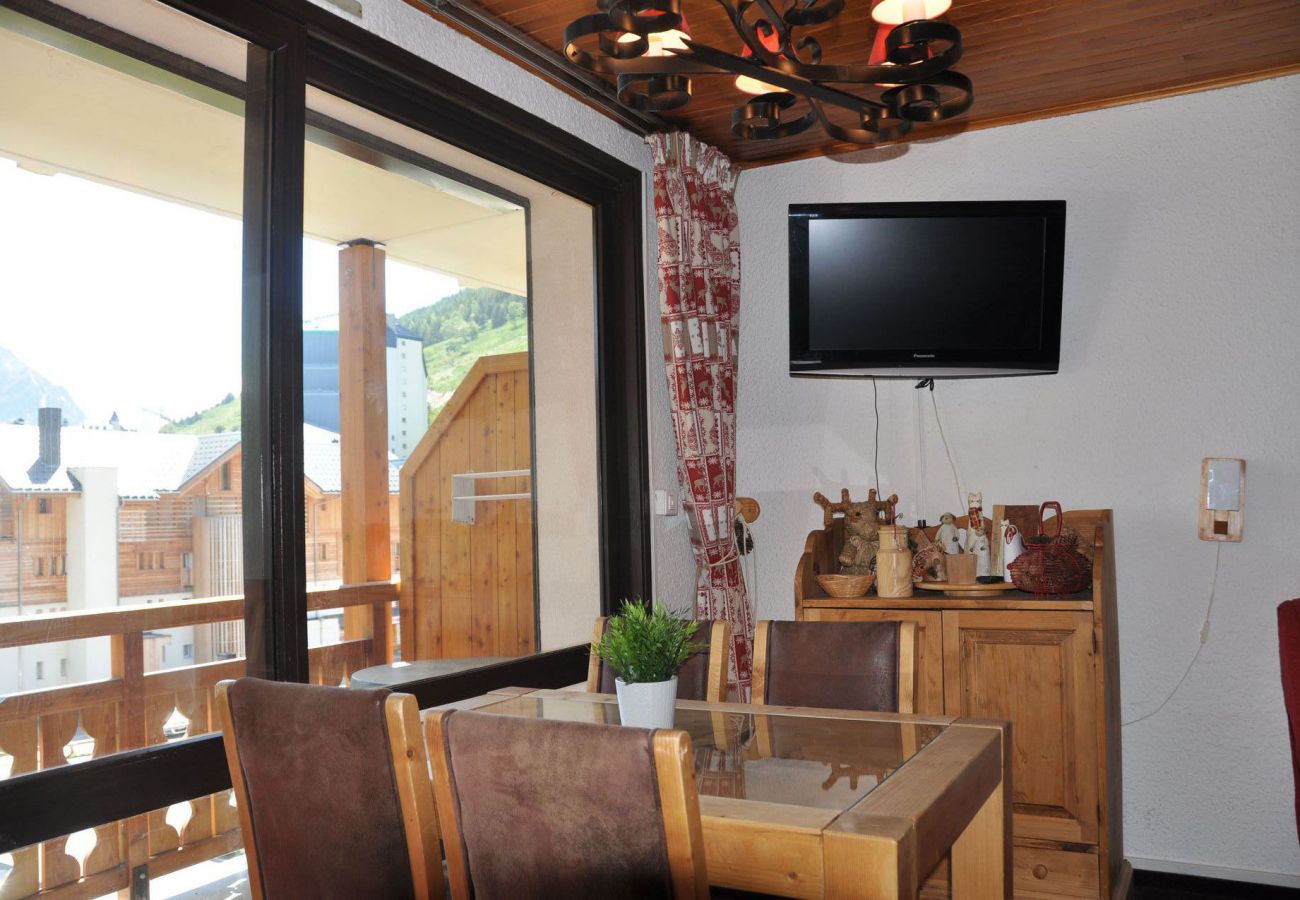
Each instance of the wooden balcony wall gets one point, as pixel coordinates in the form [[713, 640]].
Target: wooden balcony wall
[[45, 536], [128, 710], [467, 590]]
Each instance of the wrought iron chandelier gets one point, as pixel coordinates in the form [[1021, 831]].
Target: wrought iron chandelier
[[908, 77]]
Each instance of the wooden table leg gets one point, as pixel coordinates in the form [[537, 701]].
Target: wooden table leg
[[877, 861], [981, 856]]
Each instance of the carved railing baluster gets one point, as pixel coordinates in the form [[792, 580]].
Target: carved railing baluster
[[132, 709]]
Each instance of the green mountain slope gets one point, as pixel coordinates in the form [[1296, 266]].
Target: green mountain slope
[[455, 331], [448, 362], [213, 420], [464, 314]]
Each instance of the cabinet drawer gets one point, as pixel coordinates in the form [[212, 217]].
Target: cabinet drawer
[[1055, 873]]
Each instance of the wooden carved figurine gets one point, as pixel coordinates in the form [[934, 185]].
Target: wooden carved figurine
[[862, 521]]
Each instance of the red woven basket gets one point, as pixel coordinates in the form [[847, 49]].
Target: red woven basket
[[1050, 564]]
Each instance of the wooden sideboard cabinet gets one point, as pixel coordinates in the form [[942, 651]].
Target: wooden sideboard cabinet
[[1050, 667]]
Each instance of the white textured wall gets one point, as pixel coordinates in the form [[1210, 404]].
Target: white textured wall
[[1180, 337], [398, 22]]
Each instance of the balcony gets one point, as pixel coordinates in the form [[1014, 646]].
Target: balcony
[[42, 729]]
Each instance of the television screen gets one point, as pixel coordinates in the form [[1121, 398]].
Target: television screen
[[925, 289]]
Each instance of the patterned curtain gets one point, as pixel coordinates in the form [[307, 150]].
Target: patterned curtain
[[699, 306]]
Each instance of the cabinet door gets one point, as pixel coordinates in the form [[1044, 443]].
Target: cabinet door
[[929, 639], [1036, 670]]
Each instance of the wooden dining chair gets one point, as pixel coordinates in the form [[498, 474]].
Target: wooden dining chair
[[333, 791], [702, 677], [869, 666], [535, 808]]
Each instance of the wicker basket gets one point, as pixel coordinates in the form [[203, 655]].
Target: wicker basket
[[1050, 564], [846, 586]]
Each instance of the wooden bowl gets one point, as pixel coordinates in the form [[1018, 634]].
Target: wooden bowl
[[846, 586]]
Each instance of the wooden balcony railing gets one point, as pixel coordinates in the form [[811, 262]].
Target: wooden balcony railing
[[129, 709]]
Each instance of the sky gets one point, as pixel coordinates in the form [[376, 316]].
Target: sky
[[132, 303]]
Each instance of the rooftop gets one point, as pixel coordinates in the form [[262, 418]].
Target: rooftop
[[149, 464]]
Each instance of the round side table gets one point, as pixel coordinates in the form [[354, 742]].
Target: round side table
[[396, 674]]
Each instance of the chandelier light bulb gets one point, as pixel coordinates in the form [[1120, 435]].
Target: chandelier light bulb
[[896, 12], [749, 85], [662, 43]]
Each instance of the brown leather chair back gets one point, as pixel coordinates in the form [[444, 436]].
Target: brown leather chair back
[[532, 808], [702, 677], [834, 665], [333, 791]]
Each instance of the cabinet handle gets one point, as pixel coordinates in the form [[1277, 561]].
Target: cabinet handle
[[1040, 871]]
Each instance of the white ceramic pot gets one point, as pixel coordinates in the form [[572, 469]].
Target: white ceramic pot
[[647, 705]]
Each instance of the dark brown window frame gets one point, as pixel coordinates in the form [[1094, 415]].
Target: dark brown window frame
[[294, 44]]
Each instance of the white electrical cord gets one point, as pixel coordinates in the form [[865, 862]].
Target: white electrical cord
[[1205, 636], [747, 540], [961, 504]]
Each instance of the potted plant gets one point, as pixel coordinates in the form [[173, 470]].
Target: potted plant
[[645, 648]]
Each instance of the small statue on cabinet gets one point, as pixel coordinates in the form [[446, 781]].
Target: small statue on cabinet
[[949, 536], [928, 558], [974, 521], [862, 521], [1012, 546], [978, 544]]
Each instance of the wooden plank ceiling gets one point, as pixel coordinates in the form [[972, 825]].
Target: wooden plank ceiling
[[1028, 59]]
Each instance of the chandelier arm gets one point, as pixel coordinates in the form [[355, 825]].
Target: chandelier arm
[[817, 12], [667, 15], [773, 17], [654, 92], [759, 119], [926, 103], [875, 128], [917, 35], [611, 64], [799, 85], [748, 32]]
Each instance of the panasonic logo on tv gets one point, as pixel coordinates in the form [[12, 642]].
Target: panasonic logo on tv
[[922, 356]]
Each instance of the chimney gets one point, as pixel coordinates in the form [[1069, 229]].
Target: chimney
[[50, 420]]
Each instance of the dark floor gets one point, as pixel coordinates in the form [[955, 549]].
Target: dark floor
[[1161, 886]]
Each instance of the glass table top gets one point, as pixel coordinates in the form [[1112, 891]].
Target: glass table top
[[798, 760]]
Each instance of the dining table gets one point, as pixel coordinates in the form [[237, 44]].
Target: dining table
[[802, 802]]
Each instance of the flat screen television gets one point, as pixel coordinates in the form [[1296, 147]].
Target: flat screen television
[[926, 290]]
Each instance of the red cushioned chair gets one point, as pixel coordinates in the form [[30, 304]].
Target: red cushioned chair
[[1288, 633]]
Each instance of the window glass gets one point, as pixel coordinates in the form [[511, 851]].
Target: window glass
[[428, 277], [120, 369]]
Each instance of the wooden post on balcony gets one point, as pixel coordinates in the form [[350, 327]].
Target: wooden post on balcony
[[363, 435], [127, 665]]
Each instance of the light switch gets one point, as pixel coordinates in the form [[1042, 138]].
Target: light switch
[[665, 503], [1223, 499]]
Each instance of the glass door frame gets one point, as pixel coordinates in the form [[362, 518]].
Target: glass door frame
[[293, 44]]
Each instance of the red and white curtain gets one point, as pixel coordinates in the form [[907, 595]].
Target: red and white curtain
[[699, 306]]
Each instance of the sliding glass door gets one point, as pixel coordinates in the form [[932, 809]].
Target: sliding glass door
[[121, 235], [310, 367], [449, 341]]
